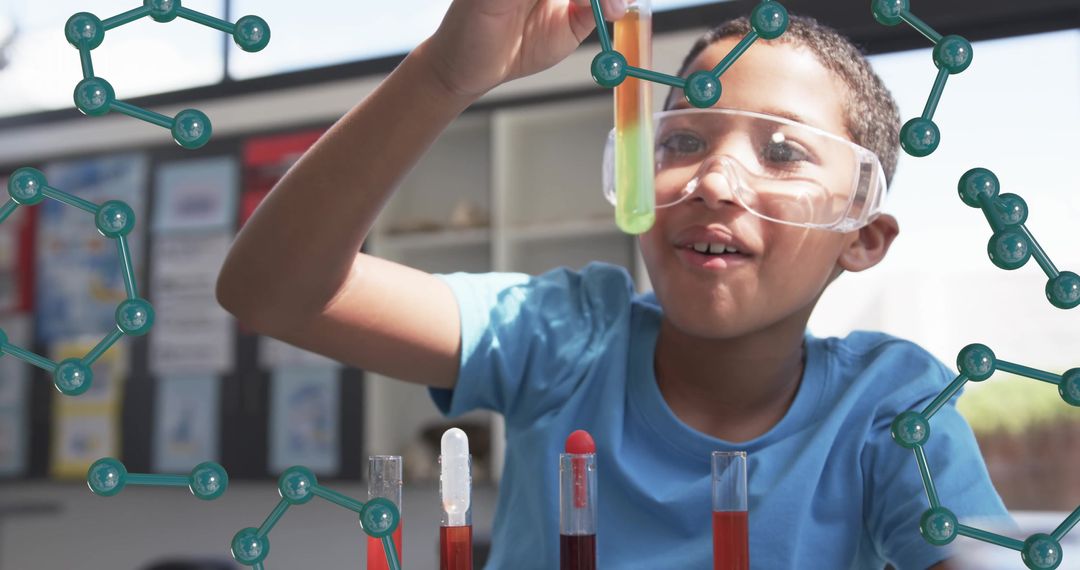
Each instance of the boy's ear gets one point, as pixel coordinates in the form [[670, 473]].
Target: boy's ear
[[870, 245]]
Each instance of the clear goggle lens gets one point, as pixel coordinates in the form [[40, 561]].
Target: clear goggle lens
[[777, 169]]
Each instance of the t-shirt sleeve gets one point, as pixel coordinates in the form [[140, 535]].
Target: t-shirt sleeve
[[896, 497], [527, 341]]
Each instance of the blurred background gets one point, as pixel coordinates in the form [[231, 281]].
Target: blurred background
[[513, 185]]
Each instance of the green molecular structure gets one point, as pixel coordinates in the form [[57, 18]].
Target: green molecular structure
[[134, 316], [702, 89], [952, 54], [94, 96], [911, 429], [108, 476], [379, 518], [1012, 244]]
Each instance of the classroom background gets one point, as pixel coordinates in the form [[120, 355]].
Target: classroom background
[[513, 185]]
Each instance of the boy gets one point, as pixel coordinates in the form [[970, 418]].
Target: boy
[[718, 359]]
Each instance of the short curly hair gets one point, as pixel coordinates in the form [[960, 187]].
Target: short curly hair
[[871, 114]]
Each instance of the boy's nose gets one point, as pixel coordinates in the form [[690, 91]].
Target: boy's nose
[[713, 185]]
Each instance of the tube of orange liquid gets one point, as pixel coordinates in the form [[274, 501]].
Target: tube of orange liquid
[[635, 207]]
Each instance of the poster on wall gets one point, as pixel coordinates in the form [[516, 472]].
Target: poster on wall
[[16, 259], [186, 422], [87, 428], [195, 209], [79, 272], [304, 419], [266, 159], [14, 398]]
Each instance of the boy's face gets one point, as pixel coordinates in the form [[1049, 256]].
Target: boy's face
[[780, 270]]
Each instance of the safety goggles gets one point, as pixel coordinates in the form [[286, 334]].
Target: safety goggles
[[776, 168]]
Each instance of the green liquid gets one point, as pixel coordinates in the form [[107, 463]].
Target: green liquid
[[635, 197]]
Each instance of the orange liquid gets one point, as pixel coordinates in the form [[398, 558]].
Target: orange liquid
[[376, 558], [731, 540], [455, 547], [633, 36]]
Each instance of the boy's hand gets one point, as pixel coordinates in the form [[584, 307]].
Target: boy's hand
[[482, 43]]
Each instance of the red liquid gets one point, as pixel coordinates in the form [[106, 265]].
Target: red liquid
[[731, 540], [577, 552], [376, 557], [455, 547]]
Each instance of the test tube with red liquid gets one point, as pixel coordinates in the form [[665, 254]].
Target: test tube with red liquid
[[455, 488], [384, 480], [577, 503], [731, 528]]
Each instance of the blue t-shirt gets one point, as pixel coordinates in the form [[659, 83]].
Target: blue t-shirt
[[828, 488]]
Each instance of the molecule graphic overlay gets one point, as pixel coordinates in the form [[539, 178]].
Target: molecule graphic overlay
[[911, 429], [1012, 244], [702, 89], [134, 316], [107, 477], [297, 485], [952, 54], [94, 96]]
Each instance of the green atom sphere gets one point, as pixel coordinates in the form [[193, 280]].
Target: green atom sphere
[[115, 219], [251, 33], [135, 317], [106, 477], [769, 20], [1009, 249], [208, 481], [84, 30], [162, 10], [191, 128], [26, 186], [248, 548], [295, 485], [609, 69], [1041, 552], [976, 184], [976, 361], [938, 526], [953, 54], [887, 12], [910, 429], [1069, 388], [94, 96], [72, 377], [379, 517], [919, 137], [1063, 291], [702, 89], [1010, 210]]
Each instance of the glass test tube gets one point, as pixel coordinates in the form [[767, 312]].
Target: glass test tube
[[731, 529], [384, 480], [455, 489], [635, 197], [577, 511]]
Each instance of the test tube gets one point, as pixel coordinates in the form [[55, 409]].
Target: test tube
[[455, 487], [731, 530], [577, 503], [384, 480], [635, 198]]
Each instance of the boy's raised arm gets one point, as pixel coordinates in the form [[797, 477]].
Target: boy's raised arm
[[294, 271]]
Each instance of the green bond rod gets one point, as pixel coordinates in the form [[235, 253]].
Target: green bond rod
[[1040, 256], [935, 94], [928, 483], [87, 64], [27, 356], [149, 479], [105, 344], [129, 271], [337, 498], [735, 53], [126, 17], [199, 17], [601, 29], [140, 113], [987, 205], [391, 552], [1032, 373], [920, 25], [258, 566], [1066, 525], [273, 518], [70, 200], [7, 209], [944, 396], [986, 536], [657, 77]]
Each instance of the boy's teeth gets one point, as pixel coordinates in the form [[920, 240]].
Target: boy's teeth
[[713, 248], [701, 247]]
